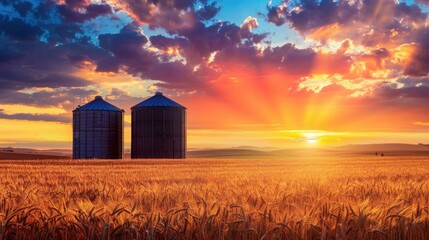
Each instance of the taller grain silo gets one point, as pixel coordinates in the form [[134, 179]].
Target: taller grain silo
[[158, 128], [98, 131]]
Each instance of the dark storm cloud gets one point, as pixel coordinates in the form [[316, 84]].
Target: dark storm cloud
[[163, 42], [67, 98], [77, 13], [63, 33], [125, 43], [405, 91], [202, 40], [45, 58], [369, 21], [27, 65], [380, 53], [208, 11], [391, 92], [20, 80], [206, 40], [43, 10], [276, 14], [17, 29], [314, 14], [291, 59], [184, 77], [36, 117], [170, 15], [419, 63], [46, 48], [286, 58], [167, 16], [413, 12], [128, 48], [130, 51], [108, 64], [311, 14], [414, 81], [65, 47], [22, 7]]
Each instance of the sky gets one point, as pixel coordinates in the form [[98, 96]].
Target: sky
[[299, 73]]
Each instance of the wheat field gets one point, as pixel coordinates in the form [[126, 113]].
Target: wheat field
[[309, 198]]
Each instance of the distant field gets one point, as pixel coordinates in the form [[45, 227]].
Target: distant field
[[34, 156], [309, 198], [243, 152]]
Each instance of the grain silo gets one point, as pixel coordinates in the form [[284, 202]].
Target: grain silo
[[158, 128], [98, 131]]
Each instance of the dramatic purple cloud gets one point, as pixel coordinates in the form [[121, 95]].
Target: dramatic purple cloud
[[46, 44], [369, 22], [419, 64], [81, 13], [17, 29]]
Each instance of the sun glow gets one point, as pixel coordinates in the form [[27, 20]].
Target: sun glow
[[312, 141], [312, 137]]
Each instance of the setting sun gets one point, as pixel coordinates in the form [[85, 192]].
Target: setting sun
[[312, 141], [312, 137]]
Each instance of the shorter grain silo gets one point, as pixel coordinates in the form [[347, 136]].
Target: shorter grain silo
[[98, 131], [158, 128]]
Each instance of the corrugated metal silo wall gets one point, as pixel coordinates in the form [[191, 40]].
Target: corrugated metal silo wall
[[98, 134], [158, 132]]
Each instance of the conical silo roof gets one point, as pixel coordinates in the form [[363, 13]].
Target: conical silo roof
[[98, 104], [158, 100]]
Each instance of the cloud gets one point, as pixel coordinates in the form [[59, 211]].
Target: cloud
[[164, 43], [66, 98], [367, 22], [426, 2], [39, 64], [286, 58], [204, 40], [124, 43], [419, 62], [22, 7], [185, 77], [80, 11], [170, 15], [54, 52], [290, 58], [276, 14], [65, 47], [413, 81], [417, 92], [77, 3], [44, 9], [17, 29], [128, 48], [36, 117], [311, 14], [249, 23], [134, 53], [20, 80], [208, 11]]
